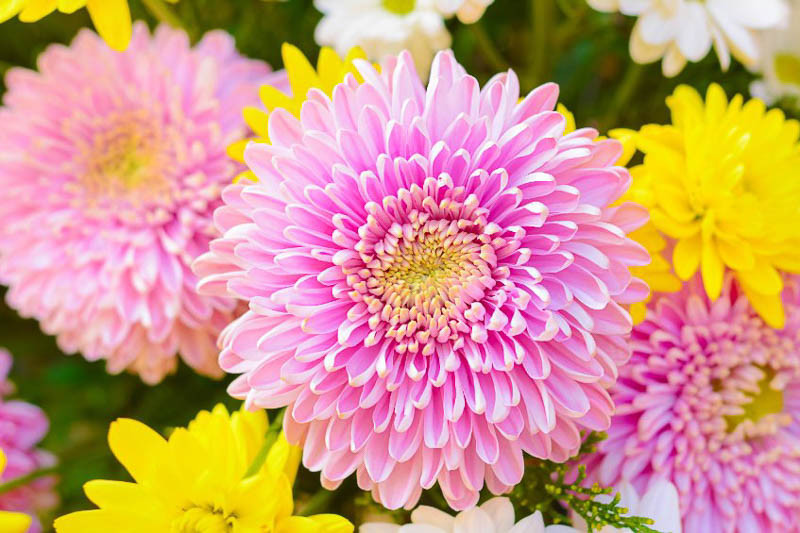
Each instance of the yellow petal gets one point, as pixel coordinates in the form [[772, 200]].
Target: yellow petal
[[10, 8], [112, 19], [763, 278], [638, 312], [331, 523], [297, 524], [120, 494], [14, 522], [273, 98], [712, 268], [768, 306], [686, 256], [70, 6], [257, 119], [302, 75], [37, 9], [737, 255], [236, 150], [106, 521], [137, 447]]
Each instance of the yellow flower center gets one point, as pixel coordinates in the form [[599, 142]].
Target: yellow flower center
[[399, 7], [767, 401], [787, 68], [124, 159]]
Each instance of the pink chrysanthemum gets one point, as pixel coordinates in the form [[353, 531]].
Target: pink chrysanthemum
[[22, 426], [434, 280], [711, 400], [111, 165]]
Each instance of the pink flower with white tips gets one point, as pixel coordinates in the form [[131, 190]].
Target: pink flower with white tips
[[435, 278], [710, 401], [111, 165]]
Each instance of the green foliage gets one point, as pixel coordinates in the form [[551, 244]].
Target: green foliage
[[545, 487]]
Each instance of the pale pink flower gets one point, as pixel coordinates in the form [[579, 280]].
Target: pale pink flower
[[711, 401], [22, 426], [435, 280], [111, 165]]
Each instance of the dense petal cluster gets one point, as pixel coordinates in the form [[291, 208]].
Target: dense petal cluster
[[22, 427], [436, 282], [111, 18], [384, 27], [711, 400], [203, 478], [109, 189], [679, 31], [493, 516], [721, 183]]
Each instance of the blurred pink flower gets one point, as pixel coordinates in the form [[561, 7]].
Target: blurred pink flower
[[711, 401], [22, 426], [111, 165], [435, 280]]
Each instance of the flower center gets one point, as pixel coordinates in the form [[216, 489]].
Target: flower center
[[123, 160], [425, 269], [399, 7], [787, 68], [766, 401], [203, 519]]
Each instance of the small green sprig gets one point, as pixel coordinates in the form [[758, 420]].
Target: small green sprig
[[545, 488]]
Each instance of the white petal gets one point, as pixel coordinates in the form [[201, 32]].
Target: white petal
[[662, 504], [501, 512], [473, 520], [694, 38], [432, 517], [530, 524]]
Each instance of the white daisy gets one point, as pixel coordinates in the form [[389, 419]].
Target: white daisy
[[678, 31], [659, 502], [467, 11], [780, 62], [494, 516], [384, 27]]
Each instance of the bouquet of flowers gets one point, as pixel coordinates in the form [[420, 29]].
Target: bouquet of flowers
[[415, 266]]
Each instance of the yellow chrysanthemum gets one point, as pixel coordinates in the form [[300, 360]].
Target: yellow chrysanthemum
[[12, 522], [658, 274], [205, 479], [330, 71], [723, 181], [111, 18]]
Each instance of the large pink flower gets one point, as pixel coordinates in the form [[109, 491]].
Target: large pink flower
[[711, 400], [434, 279], [111, 165], [22, 426]]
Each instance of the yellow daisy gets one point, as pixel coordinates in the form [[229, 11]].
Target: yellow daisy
[[219, 475], [330, 71], [723, 182], [111, 18], [12, 522], [658, 274]]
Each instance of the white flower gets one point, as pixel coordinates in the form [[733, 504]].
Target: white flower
[[659, 502], [467, 11], [685, 30], [780, 62], [494, 516], [384, 27]]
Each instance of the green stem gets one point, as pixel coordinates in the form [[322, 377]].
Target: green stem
[[543, 12], [318, 502], [160, 11], [487, 47], [27, 478]]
